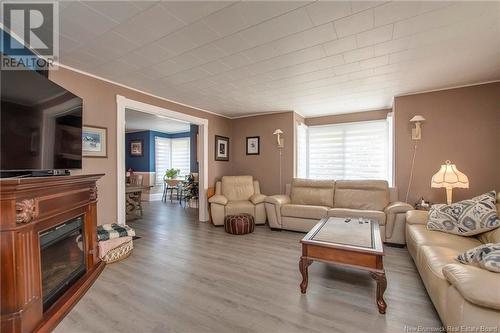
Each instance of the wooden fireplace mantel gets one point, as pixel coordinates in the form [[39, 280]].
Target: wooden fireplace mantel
[[29, 206]]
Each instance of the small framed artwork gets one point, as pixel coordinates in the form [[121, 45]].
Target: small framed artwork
[[253, 145], [221, 148], [136, 148], [94, 141]]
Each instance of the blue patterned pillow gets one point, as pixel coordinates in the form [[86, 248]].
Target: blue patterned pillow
[[486, 256], [467, 217]]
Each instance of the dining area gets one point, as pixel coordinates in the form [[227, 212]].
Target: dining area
[[175, 189]]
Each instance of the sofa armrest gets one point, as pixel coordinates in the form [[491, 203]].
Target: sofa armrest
[[417, 217], [218, 199], [257, 198], [278, 199], [397, 207], [475, 284]]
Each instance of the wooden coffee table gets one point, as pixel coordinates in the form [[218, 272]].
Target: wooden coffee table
[[349, 242]]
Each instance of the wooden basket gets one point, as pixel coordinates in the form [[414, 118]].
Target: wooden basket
[[119, 253]]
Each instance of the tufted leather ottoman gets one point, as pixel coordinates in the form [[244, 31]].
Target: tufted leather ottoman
[[240, 224]]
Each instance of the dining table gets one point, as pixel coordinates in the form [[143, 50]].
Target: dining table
[[133, 195]]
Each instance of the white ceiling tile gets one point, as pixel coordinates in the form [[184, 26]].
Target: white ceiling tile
[[340, 45], [215, 67], [167, 67], [374, 62], [80, 15], [327, 11], [392, 46], [236, 60], [395, 11], [185, 11], [359, 6], [149, 25], [232, 44], [258, 11], [209, 52], [152, 53], [375, 36], [262, 52], [177, 42], [355, 23], [117, 13], [278, 27], [358, 54], [227, 20], [307, 38], [143, 4], [187, 76]]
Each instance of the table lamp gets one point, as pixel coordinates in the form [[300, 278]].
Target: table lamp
[[449, 177]]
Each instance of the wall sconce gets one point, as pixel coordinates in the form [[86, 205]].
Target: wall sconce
[[279, 139], [416, 133]]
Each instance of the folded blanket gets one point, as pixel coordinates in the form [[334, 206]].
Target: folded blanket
[[110, 231]]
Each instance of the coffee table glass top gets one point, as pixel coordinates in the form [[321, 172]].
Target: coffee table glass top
[[350, 231]]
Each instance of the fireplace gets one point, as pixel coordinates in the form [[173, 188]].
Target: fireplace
[[62, 259]]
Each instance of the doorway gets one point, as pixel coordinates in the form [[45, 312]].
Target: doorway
[[124, 104]]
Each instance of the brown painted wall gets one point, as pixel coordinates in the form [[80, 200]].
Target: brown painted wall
[[264, 167], [462, 125], [348, 117], [99, 98]]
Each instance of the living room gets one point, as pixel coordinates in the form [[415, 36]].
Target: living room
[[371, 127]]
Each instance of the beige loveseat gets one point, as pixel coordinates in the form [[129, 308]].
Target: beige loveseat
[[463, 295], [236, 195], [310, 200]]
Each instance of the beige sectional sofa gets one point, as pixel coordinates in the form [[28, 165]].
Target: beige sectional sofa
[[310, 200], [463, 295], [236, 195]]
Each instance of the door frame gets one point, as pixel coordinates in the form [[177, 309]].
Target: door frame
[[123, 103]]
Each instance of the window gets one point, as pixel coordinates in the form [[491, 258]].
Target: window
[[360, 150], [171, 153]]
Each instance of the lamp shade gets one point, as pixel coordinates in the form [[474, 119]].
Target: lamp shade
[[448, 176], [417, 119], [278, 131]]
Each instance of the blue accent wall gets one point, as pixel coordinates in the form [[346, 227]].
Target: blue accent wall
[[193, 149], [146, 162], [138, 163]]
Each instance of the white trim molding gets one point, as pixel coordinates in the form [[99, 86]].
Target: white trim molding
[[123, 103]]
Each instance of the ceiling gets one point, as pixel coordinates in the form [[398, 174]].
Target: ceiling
[[315, 58], [140, 121]]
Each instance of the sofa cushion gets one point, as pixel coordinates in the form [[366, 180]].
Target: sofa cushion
[[430, 262], [304, 211], [486, 256], [239, 207], [370, 214], [468, 217], [466, 280], [492, 236], [361, 194], [418, 236], [312, 192], [236, 188], [298, 223]]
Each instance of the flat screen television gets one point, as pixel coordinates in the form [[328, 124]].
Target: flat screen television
[[40, 123]]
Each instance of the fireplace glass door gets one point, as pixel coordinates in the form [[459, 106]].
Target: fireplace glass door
[[62, 259]]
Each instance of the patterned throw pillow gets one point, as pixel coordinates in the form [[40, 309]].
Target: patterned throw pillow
[[486, 256], [465, 218]]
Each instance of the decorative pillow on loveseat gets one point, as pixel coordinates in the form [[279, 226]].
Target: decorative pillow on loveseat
[[467, 217], [486, 256]]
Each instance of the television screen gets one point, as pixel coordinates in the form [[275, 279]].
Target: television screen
[[40, 122]]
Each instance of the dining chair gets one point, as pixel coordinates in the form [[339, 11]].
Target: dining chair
[[137, 180], [170, 185]]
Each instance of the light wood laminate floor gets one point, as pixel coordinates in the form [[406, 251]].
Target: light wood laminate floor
[[189, 276]]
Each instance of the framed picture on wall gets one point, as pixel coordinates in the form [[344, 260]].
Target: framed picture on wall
[[221, 148], [136, 148], [94, 141], [253, 145]]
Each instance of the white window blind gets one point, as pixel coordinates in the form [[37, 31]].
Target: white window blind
[[180, 155], [301, 151], [349, 151], [171, 153]]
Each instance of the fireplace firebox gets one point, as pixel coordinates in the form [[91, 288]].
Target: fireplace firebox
[[62, 259]]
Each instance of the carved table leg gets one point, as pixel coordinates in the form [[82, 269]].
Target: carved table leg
[[381, 286], [303, 265]]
